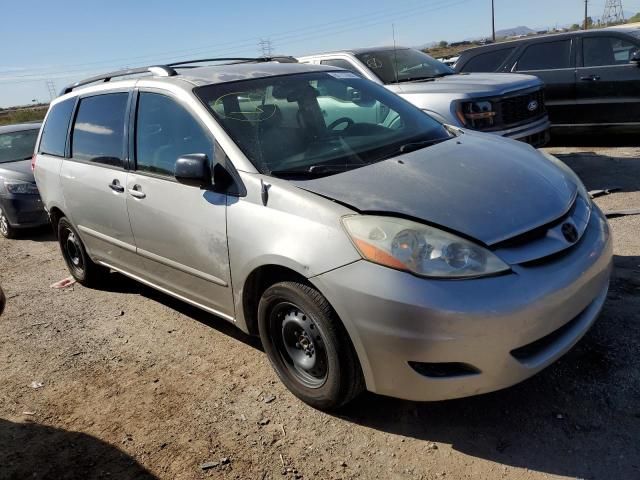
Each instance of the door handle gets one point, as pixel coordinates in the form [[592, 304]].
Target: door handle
[[137, 192], [115, 186], [590, 78]]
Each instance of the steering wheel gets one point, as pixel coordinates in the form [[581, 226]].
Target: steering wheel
[[340, 121]]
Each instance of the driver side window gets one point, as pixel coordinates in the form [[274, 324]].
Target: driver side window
[[165, 131]]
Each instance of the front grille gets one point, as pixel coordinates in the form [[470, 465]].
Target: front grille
[[514, 110]]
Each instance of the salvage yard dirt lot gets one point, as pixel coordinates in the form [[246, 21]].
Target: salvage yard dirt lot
[[130, 383]]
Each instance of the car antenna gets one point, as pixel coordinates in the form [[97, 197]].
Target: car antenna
[[395, 54]]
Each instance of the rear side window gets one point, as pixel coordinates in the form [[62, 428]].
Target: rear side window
[[546, 56], [98, 132], [487, 62], [601, 51], [338, 62], [54, 132], [164, 132]]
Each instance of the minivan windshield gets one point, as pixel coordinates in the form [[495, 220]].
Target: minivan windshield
[[16, 146], [403, 65], [318, 124]]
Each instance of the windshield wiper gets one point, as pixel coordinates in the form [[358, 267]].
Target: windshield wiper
[[416, 79], [318, 170], [413, 146]]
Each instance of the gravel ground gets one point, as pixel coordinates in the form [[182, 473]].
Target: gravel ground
[[128, 383]]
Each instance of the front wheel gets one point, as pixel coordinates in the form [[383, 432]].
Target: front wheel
[[6, 230], [82, 268], [308, 346]]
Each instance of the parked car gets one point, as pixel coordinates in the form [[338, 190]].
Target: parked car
[[419, 260], [508, 105], [20, 204], [592, 76]]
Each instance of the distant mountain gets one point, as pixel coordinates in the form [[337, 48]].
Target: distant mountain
[[512, 32]]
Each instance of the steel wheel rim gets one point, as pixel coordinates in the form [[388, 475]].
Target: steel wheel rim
[[73, 251], [299, 344], [4, 224]]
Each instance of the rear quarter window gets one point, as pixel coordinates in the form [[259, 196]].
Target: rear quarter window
[[98, 132], [54, 131], [487, 62]]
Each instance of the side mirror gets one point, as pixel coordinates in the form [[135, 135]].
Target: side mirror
[[635, 58], [194, 170]]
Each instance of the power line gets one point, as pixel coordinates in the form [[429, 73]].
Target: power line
[[249, 42], [329, 29]]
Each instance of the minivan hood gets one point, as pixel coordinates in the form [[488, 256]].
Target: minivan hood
[[482, 186], [473, 85], [20, 170]]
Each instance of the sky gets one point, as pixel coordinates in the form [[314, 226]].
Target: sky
[[47, 44]]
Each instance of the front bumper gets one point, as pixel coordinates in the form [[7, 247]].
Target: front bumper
[[395, 318], [24, 211], [534, 133]]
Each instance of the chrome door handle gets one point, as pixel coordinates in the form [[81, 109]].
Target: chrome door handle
[[137, 192], [116, 187], [590, 78]]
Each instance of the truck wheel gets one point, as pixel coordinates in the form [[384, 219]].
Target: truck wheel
[[308, 346]]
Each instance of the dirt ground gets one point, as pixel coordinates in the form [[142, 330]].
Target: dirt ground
[[138, 385]]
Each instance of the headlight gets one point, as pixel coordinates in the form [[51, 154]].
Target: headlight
[[478, 115], [419, 249], [21, 188], [582, 190]]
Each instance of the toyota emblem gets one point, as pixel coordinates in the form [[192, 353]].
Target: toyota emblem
[[533, 105], [570, 232]]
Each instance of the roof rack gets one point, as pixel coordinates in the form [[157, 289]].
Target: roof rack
[[168, 70], [160, 70]]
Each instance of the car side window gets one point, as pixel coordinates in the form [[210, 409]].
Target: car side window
[[487, 62], [546, 56], [98, 132], [601, 51], [54, 132], [165, 131], [339, 62]]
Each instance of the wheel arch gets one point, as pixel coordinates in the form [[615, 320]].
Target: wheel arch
[[261, 278]]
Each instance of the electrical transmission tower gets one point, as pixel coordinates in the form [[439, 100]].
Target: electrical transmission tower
[[51, 86], [266, 47], [613, 12]]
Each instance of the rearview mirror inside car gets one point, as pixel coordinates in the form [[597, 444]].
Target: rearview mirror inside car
[[194, 170]]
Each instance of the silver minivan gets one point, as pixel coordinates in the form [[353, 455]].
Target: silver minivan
[[369, 245]]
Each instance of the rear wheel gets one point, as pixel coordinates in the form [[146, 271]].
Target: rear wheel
[[6, 230], [308, 346], [82, 268]]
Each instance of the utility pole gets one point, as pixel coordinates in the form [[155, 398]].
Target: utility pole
[[493, 20], [586, 14]]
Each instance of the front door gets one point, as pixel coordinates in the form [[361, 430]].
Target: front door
[[94, 178], [180, 231], [608, 84]]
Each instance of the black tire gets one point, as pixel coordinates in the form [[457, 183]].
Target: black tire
[[82, 268], [6, 230], [308, 346]]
